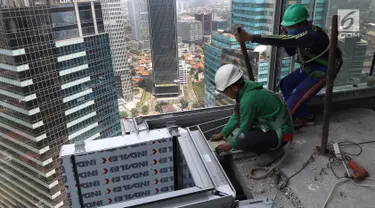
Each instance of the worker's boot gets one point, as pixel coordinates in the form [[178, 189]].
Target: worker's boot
[[305, 121], [266, 159]]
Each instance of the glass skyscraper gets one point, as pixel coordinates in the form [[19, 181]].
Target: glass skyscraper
[[114, 24], [138, 13], [164, 49], [56, 86]]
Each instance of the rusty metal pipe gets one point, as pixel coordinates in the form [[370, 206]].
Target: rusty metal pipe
[[329, 85]]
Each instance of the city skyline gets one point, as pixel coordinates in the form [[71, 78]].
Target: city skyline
[[63, 68]]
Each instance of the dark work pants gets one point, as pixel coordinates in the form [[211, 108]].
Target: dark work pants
[[299, 88], [257, 141]]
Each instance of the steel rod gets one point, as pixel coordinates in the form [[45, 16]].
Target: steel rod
[[246, 58], [329, 85]]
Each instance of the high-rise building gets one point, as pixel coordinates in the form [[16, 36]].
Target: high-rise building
[[218, 24], [138, 14], [354, 54], [182, 5], [206, 19], [164, 49], [125, 11], [212, 61], [57, 86], [114, 24], [190, 31], [183, 73]]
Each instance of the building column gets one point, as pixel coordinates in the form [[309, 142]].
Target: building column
[[94, 17], [78, 19]]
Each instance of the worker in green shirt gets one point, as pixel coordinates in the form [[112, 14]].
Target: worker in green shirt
[[263, 119]]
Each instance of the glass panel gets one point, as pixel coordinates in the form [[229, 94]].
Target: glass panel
[[63, 19]]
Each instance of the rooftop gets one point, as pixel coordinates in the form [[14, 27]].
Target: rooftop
[[311, 183], [311, 187]]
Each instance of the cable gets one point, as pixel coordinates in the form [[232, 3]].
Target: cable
[[304, 165], [361, 143], [267, 170], [333, 188], [365, 185], [344, 181], [333, 160]]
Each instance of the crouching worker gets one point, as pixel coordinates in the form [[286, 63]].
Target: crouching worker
[[264, 122]]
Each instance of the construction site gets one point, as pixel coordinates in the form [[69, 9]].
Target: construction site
[[168, 160]]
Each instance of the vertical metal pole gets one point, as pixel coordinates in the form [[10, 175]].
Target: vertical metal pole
[[246, 58], [274, 70], [176, 165], [372, 65], [329, 88]]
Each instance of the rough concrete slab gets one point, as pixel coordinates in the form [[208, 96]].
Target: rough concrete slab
[[311, 187]]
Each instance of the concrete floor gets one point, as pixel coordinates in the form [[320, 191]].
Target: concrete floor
[[311, 187]]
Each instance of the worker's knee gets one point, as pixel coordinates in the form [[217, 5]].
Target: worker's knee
[[242, 143], [283, 85], [246, 144]]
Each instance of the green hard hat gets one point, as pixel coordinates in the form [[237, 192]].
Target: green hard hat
[[295, 14]]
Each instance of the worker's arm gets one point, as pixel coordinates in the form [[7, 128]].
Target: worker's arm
[[302, 40], [248, 114], [230, 127]]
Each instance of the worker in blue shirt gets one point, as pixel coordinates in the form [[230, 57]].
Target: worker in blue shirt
[[311, 44]]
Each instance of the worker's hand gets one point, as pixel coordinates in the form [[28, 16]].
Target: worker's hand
[[216, 137], [243, 36], [225, 147]]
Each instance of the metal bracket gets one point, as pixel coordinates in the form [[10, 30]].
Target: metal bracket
[[173, 128], [80, 146]]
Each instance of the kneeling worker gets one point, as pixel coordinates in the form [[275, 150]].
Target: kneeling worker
[[264, 122]]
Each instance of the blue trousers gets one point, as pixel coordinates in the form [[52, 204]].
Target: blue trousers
[[298, 88]]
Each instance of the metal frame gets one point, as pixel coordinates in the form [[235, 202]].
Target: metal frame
[[212, 187], [275, 61]]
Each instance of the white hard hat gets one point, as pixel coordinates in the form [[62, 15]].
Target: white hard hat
[[226, 76]]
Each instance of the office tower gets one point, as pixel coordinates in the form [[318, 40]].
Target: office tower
[[125, 11], [182, 5], [190, 31], [354, 54], [114, 24], [164, 50], [218, 24], [212, 61], [138, 13], [183, 73], [206, 19], [56, 87]]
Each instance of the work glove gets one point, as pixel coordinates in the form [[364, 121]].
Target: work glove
[[243, 36]]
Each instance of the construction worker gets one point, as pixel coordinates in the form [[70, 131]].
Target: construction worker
[[263, 118], [311, 44]]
